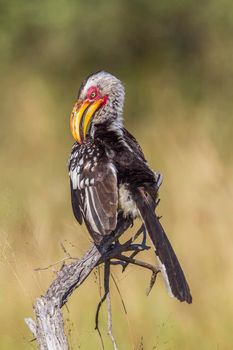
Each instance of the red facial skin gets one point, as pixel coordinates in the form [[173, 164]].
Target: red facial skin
[[94, 95]]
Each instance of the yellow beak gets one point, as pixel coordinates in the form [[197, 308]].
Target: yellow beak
[[81, 116]]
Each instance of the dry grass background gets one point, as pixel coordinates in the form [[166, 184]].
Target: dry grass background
[[189, 139]]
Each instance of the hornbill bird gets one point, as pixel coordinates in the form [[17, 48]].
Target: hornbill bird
[[110, 178]]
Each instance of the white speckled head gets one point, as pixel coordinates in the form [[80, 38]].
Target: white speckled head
[[109, 86]]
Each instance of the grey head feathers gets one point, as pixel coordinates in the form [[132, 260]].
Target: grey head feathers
[[109, 85]]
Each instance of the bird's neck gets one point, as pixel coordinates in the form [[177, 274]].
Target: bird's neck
[[107, 129]]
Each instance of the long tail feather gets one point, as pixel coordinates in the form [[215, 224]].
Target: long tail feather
[[170, 267]]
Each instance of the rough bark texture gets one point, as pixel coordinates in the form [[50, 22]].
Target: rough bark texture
[[48, 327]]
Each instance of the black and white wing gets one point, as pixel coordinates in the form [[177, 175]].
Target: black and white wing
[[94, 192]]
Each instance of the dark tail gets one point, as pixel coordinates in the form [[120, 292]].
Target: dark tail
[[169, 264]]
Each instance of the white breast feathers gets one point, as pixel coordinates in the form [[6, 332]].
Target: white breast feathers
[[126, 202]]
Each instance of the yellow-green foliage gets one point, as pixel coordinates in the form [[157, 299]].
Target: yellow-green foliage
[[175, 59]]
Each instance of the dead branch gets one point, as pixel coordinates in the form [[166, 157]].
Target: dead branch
[[48, 327]]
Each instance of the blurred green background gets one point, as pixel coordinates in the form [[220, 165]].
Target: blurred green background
[[175, 59]]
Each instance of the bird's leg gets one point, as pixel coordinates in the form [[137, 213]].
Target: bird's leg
[[129, 244], [114, 251], [143, 246], [121, 227], [142, 230], [116, 242]]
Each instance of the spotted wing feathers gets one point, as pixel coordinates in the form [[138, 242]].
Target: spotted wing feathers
[[94, 196]]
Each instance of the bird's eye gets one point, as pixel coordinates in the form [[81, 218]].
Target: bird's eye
[[93, 94]]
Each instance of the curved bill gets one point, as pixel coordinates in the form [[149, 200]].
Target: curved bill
[[81, 116]]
